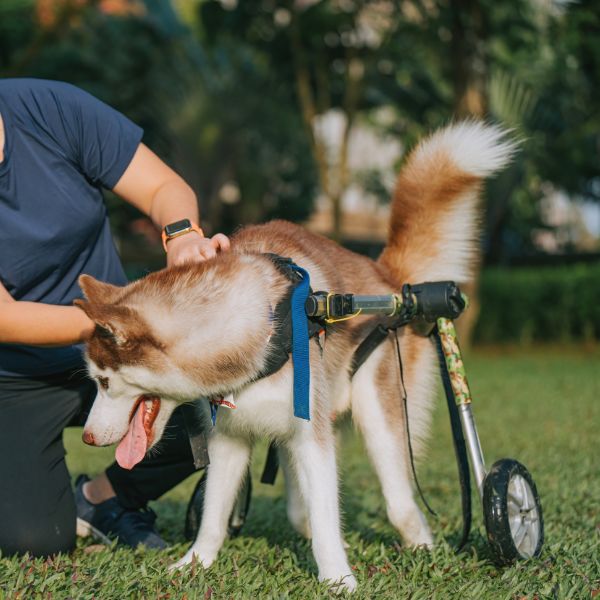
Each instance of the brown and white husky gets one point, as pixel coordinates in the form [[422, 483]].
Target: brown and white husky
[[204, 329]]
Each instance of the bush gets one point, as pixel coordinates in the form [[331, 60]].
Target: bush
[[540, 304]]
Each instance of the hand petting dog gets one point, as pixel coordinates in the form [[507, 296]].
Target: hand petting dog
[[193, 248]]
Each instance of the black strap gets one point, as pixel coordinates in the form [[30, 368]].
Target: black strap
[[271, 466], [195, 426], [405, 403], [460, 448], [372, 341], [367, 347]]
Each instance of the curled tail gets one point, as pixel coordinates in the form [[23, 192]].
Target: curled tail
[[434, 226]]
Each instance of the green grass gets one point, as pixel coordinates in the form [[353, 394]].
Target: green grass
[[541, 407]]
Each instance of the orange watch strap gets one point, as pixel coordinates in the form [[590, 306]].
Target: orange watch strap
[[193, 227]]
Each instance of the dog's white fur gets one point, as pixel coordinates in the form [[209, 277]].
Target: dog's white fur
[[205, 311]]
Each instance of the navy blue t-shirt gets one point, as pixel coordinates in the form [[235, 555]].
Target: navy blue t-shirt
[[61, 147]]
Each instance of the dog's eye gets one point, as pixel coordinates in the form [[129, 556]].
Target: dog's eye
[[103, 382]]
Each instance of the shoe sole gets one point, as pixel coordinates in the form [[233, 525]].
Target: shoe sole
[[85, 529]]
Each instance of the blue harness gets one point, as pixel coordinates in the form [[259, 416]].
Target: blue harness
[[292, 335], [300, 338]]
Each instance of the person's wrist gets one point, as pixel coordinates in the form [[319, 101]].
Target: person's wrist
[[179, 229]]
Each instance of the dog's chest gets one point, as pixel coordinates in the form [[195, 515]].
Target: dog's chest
[[264, 408]]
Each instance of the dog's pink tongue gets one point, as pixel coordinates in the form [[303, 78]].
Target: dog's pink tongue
[[133, 446]]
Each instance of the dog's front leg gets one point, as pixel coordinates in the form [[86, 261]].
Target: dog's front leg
[[296, 506], [314, 457], [229, 458]]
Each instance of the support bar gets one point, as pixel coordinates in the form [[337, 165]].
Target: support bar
[[462, 397], [427, 300]]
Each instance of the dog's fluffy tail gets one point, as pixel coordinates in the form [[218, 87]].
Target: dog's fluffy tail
[[434, 223]]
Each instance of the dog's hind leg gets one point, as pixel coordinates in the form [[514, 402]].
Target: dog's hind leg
[[229, 457], [314, 456], [297, 511], [378, 411]]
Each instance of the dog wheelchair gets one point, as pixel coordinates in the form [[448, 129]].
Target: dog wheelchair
[[511, 506]]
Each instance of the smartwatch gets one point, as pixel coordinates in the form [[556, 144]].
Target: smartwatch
[[173, 230]]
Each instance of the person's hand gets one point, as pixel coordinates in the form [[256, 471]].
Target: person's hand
[[193, 248]]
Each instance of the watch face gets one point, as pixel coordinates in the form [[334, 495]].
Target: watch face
[[178, 226]]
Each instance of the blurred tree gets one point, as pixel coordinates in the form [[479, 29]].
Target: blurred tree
[[237, 95], [569, 109], [531, 65], [240, 144], [323, 54]]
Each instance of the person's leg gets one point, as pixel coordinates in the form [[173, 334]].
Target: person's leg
[[37, 510]]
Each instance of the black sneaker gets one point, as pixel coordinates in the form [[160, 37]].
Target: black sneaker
[[109, 520]]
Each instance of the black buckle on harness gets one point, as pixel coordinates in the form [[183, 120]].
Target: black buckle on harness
[[281, 340]]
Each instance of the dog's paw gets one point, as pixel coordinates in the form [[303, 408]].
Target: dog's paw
[[346, 583], [192, 556], [413, 527], [419, 536]]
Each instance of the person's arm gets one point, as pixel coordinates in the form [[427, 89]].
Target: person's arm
[[41, 324], [153, 187]]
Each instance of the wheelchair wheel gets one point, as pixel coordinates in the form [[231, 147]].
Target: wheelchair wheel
[[193, 516], [512, 512]]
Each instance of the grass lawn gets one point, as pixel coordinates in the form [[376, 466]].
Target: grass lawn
[[540, 406]]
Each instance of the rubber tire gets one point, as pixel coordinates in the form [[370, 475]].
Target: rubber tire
[[495, 510], [193, 516]]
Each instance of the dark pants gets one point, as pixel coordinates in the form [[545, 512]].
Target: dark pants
[[37, 508]]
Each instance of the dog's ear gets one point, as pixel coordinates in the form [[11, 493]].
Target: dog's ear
[[98, 292], [117, 323]]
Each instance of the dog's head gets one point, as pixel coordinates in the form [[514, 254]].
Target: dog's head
[[176, 335], [126, 358]]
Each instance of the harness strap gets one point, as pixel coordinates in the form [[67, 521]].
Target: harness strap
[[380, 332], [367, 347], [194, 424], [378, 335], [271, 466], [300, 352]]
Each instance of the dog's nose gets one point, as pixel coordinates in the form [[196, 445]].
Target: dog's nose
[[88, 438]]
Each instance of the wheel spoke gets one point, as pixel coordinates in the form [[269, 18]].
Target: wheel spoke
[[523, 487], [514, 497], [513, 507], [519, 535]]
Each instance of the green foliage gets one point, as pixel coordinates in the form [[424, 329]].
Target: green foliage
[[550, 304], [538, 407], [218, 96], [236, 126]]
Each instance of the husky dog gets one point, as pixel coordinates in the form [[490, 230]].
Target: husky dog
[[205, 329]]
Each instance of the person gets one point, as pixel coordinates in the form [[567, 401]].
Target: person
[[59, 146]]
